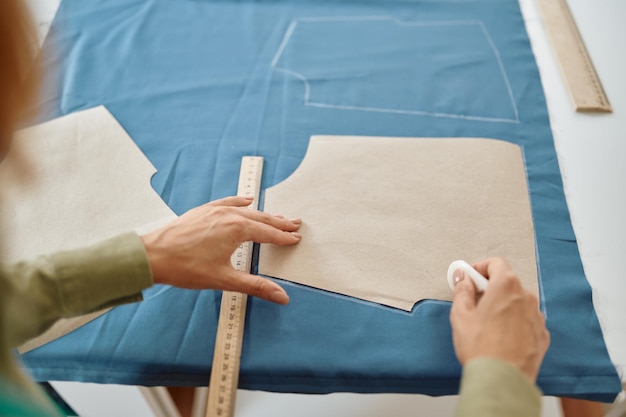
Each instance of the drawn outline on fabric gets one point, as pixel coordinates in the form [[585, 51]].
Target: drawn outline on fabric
[[307, 87]]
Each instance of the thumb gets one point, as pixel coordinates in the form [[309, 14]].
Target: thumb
[[258, 287], [464, 293]]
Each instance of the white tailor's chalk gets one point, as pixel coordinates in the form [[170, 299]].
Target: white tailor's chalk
[[479, 281]]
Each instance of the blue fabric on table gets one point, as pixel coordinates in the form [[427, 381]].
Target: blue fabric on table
[[198, 84]]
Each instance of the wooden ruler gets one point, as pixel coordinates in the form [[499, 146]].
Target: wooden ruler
[[227, 355], [580, 76]]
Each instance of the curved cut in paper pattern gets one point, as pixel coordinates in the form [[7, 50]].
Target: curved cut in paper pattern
[[353, 63], [384, 217]]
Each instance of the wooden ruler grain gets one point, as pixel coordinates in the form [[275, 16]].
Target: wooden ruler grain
[[229, 340], [580, 75]]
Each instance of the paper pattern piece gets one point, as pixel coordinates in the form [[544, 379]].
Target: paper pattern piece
[[384, 217], [71, 182]]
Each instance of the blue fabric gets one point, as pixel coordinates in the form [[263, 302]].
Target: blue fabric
[[198, 84]]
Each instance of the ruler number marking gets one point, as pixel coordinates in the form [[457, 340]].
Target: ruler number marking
[[226, 359], [582, 80]]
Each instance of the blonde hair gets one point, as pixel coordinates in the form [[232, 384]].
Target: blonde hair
[[19, 75]]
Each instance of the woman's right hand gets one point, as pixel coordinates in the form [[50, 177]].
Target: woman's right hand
[[194, 250], [504, 323]]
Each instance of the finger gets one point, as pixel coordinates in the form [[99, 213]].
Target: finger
[[202, 210], [258, 287], [263, 233], [235, 201], [491, 265], [278, 222], [499, 273], [464, 295]]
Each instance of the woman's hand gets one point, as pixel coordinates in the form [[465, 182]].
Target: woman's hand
[[505, 323], [194, 250]]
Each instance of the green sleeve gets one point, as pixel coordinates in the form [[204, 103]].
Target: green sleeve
[[493, 388], [37, 293]]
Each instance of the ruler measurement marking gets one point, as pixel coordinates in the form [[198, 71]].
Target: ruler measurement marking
[[229, 340], [581, 78], [584, 54]]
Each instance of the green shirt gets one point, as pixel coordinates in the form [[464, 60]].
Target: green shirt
[[34, 294], [493, 388]]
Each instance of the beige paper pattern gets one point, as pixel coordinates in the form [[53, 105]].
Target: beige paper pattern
[[71, 182], [384, 217]]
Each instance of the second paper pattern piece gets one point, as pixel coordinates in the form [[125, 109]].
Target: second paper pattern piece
[[384, 217]]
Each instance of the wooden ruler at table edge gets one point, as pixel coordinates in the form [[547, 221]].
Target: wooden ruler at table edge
[[581, 78], [229, 340]]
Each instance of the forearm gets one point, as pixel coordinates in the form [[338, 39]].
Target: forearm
[[37, 293], [491, 387]]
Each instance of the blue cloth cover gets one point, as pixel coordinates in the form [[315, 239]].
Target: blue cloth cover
[[198, 84]]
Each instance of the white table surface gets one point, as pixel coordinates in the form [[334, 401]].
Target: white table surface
[[592, 155]]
